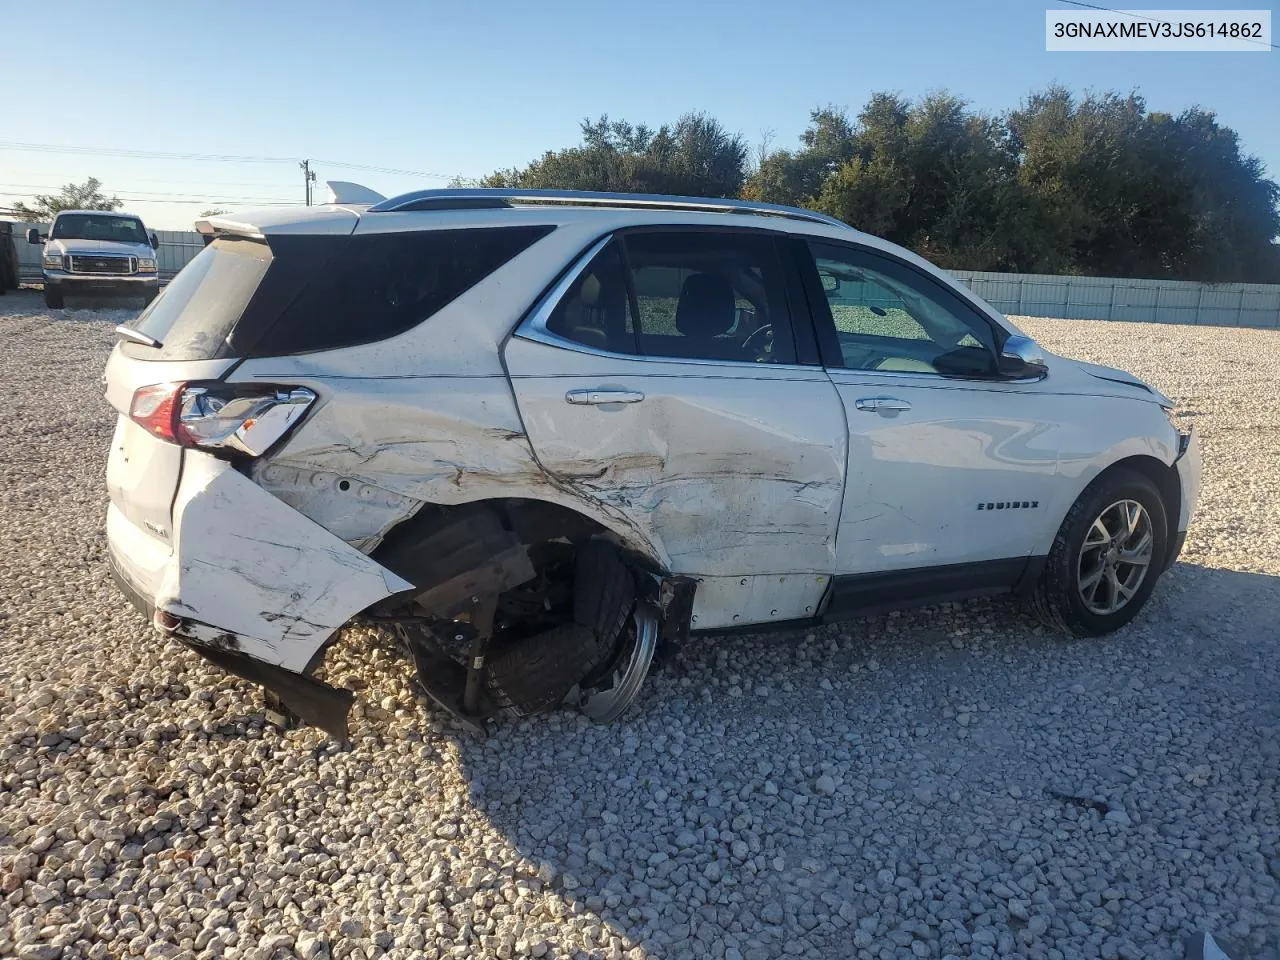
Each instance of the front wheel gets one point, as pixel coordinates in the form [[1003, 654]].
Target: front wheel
[[1107, 556], [52, 297]]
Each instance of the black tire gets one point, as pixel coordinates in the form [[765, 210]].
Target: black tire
[[53, 298], [604, 592], [149, 296], [534, 673], [1057, 598]]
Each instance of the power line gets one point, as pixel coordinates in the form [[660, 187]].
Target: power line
[[136, 154], [216, 157], [150, 193], [189, 201], [391, 171], [1139, 16]]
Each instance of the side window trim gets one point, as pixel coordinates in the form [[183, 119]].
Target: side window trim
[[824, 322], [534, 325]]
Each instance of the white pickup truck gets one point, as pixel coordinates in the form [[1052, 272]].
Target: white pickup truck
[[97, 252]]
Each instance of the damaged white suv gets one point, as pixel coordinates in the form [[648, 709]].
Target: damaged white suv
[[539, 432]]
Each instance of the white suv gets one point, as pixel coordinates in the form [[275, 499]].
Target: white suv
[[539, 432]]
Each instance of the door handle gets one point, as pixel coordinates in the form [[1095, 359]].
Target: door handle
[[597, 397], [882, 404]]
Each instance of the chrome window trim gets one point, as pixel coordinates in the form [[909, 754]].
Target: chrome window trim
[[927, 379], [534, 326]]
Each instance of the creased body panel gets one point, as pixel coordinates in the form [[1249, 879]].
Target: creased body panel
[[734, 469], [377, 449], [251, 574]]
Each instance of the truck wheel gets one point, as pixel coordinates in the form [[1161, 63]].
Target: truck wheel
[[52, 298], [1107, 556]]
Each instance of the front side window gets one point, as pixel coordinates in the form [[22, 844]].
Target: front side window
[[692, 295], [888, 317]]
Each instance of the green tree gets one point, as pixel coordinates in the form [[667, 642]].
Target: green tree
[[1135, 193], [797, 177], [74, 196], [695, 156], [930, 175], [1095, 184]]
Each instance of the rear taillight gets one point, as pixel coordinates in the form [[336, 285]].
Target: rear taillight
[[155, 408], [219, 417]]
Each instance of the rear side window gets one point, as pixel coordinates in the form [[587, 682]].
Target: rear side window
[[596, 309], [245, 298], [384, 284]]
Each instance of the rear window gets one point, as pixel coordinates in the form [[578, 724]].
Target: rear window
[[243, 298], [201, 305]]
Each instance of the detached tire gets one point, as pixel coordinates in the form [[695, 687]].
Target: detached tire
[[603, 592], [52, 298], [534, 674], [1107, 557]]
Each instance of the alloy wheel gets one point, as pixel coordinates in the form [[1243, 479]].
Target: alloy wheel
[[1115, 557]]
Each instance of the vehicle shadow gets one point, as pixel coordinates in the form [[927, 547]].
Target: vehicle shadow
[[763, 783]]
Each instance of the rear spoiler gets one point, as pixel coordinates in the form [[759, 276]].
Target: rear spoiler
[[210, 227], [347, 201]]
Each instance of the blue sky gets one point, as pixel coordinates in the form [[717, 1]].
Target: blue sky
[[462, 88]]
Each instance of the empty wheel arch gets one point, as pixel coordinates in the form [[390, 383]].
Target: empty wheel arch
[[563, 594]]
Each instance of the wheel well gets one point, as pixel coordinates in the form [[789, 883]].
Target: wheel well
[[1166, 480], [527, 522]]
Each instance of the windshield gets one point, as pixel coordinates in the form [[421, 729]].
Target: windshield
[[98, 226]]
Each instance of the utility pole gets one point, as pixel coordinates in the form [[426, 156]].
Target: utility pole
[[308, 177]]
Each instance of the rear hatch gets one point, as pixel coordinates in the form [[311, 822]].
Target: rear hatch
[[202, 325], [297, 286]]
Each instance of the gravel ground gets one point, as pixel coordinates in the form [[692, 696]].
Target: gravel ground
[[948, 781]]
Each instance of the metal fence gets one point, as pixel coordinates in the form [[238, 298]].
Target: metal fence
[[177, 247], [1146, 301], [1020, 294]]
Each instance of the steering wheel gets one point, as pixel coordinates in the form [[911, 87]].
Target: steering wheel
[[765, 350]]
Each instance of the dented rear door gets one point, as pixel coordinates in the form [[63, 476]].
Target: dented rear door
[[735, 470]]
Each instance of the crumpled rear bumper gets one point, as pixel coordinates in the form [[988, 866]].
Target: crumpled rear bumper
[[249, 583]]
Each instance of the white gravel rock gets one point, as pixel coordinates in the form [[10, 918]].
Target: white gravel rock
[[946, 782]]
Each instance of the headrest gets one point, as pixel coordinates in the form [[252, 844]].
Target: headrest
[[589, 292], [706, 306]]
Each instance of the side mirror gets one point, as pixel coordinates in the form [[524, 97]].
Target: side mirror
[[829, 283], [155, 242], [33, 236], [1022, 359]]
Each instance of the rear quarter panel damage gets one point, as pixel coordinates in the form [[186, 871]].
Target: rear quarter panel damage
[[426, 416], [276, 584]]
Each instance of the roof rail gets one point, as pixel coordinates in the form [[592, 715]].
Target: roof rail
[[473, 198]]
